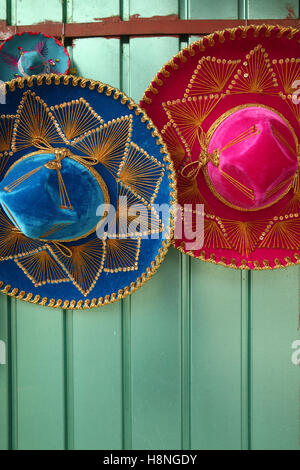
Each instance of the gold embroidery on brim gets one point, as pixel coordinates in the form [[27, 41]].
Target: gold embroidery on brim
[[288, 71], [285, 234], [295, 108], [124, 215], [42, 269], [292, 206], [153, 267], [244, 236], [141, 172], [122, 255], [210, 134], [108, 143], [85, 265], [13, 243], [6, 130], [4, 158], [256, 74], [174, 144], [251, 31], [189, 192], [243, 32], [246, 265], [76, 117], [187, 116], [214, 237], [34, 122], [210, 76]]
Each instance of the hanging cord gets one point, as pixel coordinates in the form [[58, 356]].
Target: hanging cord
[[63, 34], [63, 6]]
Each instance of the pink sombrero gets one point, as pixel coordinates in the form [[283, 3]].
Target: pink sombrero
[[228, 109]]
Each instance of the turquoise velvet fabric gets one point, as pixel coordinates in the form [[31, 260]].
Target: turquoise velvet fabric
[[36, 204], [32, 63], [48, 48]]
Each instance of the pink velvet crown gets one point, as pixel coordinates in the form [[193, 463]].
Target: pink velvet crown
[[228, 110]]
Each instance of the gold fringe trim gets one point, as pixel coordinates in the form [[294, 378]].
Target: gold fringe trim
[[209, 41], [64, 304], [257, 266]]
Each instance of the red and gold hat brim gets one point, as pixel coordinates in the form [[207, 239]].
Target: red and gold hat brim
[[231, 69]]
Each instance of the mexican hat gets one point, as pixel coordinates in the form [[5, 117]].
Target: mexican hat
[[228, 109], [83, 176], [26, 54]]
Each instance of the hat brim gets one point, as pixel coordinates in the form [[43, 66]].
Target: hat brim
[[49, 47], [101, 270], [204, 82]]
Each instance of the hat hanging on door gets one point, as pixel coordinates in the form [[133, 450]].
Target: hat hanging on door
[[228, 109], [26, 54], [70, 147]]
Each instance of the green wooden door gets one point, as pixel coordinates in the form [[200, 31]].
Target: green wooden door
[[201, 357]]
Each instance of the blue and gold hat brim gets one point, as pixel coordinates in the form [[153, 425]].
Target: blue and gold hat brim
[[51, 49], [98, 272]]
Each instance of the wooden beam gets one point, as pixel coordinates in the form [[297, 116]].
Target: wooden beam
[[137, 27]]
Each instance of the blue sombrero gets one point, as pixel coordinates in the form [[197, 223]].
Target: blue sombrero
[[26, 54], [83, 177]]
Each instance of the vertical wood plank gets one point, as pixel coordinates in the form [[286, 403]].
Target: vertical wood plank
[[147, 56], [97, 378], [98, 59], [273, 9], [36, 334], [30, 11], [219, 327], [155, 309], [95, 337], [275, 379], [93, 10], [155, 360], [4, 377], [216, 357], [3, 4], [158, 8], [213, 9], [275, 382], [185, 289], [37, 377]]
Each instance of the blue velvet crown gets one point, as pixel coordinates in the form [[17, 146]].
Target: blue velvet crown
[[67, 150], [26, 54]]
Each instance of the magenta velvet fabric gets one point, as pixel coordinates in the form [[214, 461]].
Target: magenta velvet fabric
[[261, 160]]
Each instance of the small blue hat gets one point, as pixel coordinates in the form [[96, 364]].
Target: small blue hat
[[84, 183], [26, 54]]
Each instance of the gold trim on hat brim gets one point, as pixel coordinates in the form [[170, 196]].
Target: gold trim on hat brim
[[52, 79]]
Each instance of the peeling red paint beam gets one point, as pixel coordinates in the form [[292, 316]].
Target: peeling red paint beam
[[138, 27]]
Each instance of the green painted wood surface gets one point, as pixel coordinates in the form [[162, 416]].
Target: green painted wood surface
[[2, 10], [200, 358]]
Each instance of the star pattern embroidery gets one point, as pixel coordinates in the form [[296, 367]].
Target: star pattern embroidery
[[212, 80], [138, 176]]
